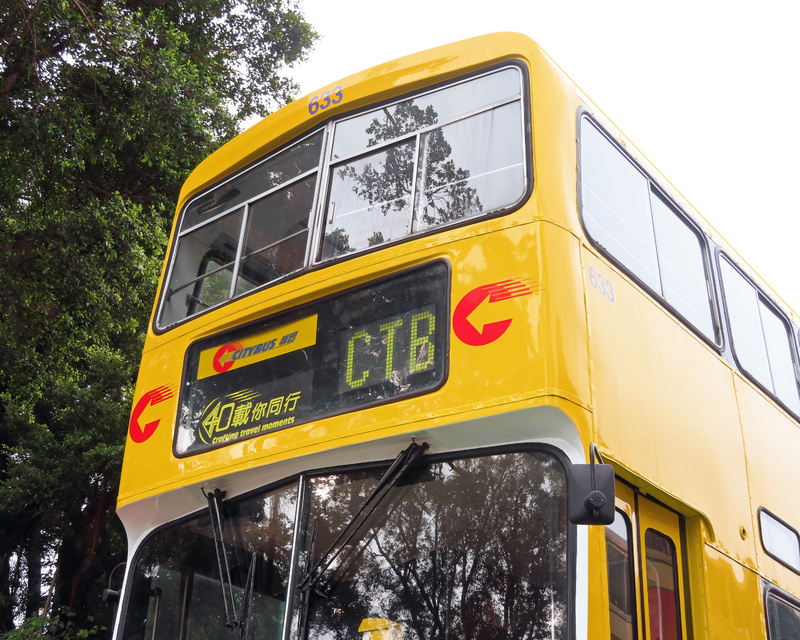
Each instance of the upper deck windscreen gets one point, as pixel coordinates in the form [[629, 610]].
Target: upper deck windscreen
[[402, 169]]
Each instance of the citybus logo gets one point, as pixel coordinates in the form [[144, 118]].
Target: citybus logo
[[270, 342], [465, 318], [156, 396], [231, 347]]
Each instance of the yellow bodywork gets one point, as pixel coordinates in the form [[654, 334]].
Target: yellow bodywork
[[665, 408], [546, 369], [380, 629]]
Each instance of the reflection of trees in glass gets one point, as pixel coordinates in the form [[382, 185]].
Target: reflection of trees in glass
[[375, 239], [447, 196], [390, 185], [215, 288], [405, 118], [339, 242], [177, 574], [266, 528], [462, 549], [173, 562], [283, 168], [475, 549]]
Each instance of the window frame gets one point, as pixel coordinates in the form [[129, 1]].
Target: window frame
[[788, 527], [654, 189], [761, 297], [212, 255], [780, 596], [631, 574], [319, 213], [415, 139], [647, 559]]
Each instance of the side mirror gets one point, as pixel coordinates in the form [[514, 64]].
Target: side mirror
[[109, 594], [590, 491]]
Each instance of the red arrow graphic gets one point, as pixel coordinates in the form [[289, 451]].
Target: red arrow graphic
[[491, 331], [219, 366], [140, 434]]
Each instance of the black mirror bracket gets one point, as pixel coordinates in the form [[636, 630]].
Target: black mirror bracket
[[596, 499], [591, 491]]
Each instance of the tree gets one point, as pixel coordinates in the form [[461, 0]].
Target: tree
[[105, 106]]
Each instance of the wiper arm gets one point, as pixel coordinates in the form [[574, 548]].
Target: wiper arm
[[247, 596], [305, 593], [402, 463], [214, 508]]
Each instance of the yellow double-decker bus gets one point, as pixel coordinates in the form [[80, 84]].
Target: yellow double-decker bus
[[437, 354]]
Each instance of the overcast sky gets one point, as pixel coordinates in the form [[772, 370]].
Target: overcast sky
[[705, 90]]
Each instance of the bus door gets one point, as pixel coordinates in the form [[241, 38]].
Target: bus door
[[645, 560]]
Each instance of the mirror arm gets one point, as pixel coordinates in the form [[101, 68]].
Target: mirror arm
[[596, 499]]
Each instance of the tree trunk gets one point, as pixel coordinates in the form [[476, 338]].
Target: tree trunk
[[6, 599], [33, 595], [76, 556]]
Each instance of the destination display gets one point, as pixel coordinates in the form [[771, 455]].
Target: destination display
[[367, 346], [380, 351]]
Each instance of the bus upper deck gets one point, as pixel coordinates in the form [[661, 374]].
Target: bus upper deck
[[458, 248]]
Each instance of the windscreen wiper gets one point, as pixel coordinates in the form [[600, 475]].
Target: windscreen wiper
[[247, 596], [402, 463], [305, 593], [215, 510]]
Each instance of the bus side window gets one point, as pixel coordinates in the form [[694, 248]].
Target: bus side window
[[625, 214], [616, 205], [662, 582], [761, 337], [783, 618], [621, 588]]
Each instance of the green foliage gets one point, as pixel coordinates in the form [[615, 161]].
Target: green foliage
[[105, 107], [30, 629], [61, 626]]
